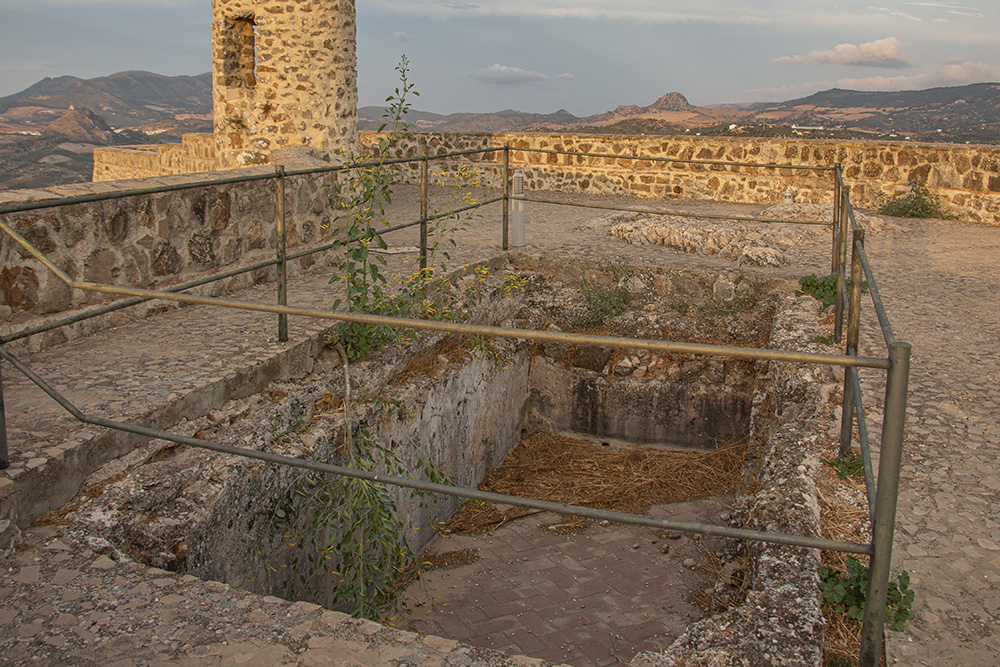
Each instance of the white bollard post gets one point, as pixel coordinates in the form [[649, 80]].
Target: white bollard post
[[517, 205]]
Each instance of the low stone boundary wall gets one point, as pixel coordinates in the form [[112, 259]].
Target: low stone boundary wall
[[148, 241]]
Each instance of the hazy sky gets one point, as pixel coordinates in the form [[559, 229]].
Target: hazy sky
[[586, 56]]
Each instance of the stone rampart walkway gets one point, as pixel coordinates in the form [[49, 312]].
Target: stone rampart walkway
[[63, 597]]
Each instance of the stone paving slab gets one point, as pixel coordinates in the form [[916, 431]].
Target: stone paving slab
[[596, 597]]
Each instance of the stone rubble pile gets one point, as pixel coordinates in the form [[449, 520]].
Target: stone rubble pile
[[746, 243]]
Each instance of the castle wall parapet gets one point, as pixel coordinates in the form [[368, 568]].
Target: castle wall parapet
[[966, 177]]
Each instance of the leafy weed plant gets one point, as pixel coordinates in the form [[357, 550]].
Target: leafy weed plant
[[918, 203], [851, 465], [823, 289], [847, 592], [347, 528], [603, 303], [361, 202]]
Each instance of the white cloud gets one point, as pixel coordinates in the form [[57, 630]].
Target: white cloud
[[565, 75], [401, 37], [886, 52], [503, 75], [954, 72], [889, 11]]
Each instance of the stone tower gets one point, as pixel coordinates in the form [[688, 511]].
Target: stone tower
[[284, 74]]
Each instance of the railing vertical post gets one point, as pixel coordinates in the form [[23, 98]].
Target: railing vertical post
[[4, 455], [838, 205], [282, 253], [840, 251], [853, 336], [890, 458], [506, 194], [424, 194]]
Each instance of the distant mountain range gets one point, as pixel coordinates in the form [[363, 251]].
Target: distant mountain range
[[126, 99], [48, 131], [957, 114]]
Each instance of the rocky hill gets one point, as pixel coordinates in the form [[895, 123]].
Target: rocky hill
[[958, 114], [48, 132], [124, 99]]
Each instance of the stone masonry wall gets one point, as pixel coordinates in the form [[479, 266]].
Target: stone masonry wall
[[195, 153], [966, 177], [149, 241], [283, 75]]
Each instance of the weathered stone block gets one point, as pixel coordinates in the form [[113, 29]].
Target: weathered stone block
[[165, 259], [101, 266], [19, 287]]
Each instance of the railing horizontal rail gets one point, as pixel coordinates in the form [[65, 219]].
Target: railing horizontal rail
[[723, 163], [751, 353], [462, 492], [124, 194], [193, 185], [390, 161], [686, 214], [112, 307]]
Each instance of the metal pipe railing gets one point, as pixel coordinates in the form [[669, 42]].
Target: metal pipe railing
[[282, 259], [864, 442], [506, 197], [887, 495], [424, 203], [4, 452], [721, 163], [452, 490], [751, 353], [853, 337], [686, 214], [882, 499]]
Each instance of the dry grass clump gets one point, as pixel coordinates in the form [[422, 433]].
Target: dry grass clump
[[557, 468], [430, 361]]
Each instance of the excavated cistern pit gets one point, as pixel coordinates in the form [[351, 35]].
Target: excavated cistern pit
[[625, 429]]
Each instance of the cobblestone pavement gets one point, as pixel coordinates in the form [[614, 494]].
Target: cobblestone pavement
[[939, 283], [938, 279], [69, 600]]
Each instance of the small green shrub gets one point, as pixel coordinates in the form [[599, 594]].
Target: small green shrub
[[823, 339], [918, 203], [847, 466], [847, 593], [823, 289]]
